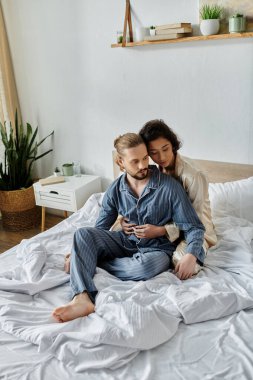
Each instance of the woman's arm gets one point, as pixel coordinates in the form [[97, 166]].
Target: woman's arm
[[196, 186], [197, 189]]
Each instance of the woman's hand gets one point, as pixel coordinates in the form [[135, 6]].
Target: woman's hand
[[126, 226], [149, 231], [186, 266]]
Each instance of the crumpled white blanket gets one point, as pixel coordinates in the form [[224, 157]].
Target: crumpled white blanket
[[130, 316]]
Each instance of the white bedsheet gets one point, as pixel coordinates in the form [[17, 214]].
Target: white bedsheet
[[131, 318]]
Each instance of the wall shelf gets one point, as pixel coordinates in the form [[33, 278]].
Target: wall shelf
[[187, 39]]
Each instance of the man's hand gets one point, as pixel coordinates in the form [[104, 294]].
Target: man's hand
[[149, 231], [127, 227], [185, 267], [67, 263]]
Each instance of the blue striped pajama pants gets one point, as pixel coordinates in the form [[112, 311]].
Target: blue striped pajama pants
[[109, 250]]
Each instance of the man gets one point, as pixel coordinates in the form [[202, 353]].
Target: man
[[145, 197], [163, 145]]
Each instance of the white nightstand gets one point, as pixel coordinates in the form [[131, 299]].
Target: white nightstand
[[67, 196]]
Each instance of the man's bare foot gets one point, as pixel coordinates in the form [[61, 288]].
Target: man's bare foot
[[80, 306], [67, 263]]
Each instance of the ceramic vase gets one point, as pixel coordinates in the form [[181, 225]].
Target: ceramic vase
[[140, 33], [209, 27], [237, 24], [67, 169]]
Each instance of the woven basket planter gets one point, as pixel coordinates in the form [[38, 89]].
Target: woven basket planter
[[18, 209]]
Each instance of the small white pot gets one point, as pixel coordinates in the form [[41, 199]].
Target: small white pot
[[152, 32], [140, 33], [209, 27]]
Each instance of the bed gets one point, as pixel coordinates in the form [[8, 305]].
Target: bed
[[160, 329]]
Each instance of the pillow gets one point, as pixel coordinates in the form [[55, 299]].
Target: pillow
[[232, 199]]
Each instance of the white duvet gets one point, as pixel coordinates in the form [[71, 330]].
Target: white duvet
[[130, 316]]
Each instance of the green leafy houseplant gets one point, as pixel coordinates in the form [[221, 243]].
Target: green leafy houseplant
[[21, 152], [210, 12], [210, 23]]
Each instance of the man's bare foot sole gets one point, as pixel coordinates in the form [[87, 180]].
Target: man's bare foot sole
[[80, 306]]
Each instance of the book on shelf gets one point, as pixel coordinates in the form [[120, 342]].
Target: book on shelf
[[170, 36], [173, 26], [186, 29]]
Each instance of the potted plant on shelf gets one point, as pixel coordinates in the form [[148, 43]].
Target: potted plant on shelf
[[17, 201], [237, 23], [210, 15], [152, 30]]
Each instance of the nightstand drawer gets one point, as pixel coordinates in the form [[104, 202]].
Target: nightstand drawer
[[57, 199], [56, 196]]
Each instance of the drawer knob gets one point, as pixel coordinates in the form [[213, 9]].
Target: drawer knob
[[54, 192]]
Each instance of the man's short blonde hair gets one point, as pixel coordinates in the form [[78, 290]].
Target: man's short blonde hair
[[126, 141]]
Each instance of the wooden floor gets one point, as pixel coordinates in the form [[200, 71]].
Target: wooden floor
[[9, 239]]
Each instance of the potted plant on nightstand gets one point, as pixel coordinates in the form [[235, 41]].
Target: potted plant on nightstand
[[210, 23], [237, 23], [17, 201]]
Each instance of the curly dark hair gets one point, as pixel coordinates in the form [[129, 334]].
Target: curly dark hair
[[154, 129]]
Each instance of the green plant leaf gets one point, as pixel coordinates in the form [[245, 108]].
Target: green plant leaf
[[16, 129], [209, 12], [43, 154], [32, 140], [51, 134]]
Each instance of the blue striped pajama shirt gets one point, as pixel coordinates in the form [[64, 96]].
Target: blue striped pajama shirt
[[163, 200]]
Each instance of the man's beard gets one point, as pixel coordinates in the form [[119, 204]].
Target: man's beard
[[143, 174]]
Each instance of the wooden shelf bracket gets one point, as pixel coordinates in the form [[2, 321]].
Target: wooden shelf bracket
[[128, 20]]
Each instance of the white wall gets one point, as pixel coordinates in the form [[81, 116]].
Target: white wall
[[70, 80]]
